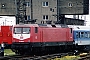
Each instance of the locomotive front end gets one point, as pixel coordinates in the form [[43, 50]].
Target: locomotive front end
[[21, 34], [21, 38]]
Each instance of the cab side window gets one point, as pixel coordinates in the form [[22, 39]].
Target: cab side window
[[36, 29]]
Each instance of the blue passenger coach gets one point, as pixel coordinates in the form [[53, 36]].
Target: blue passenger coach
[[81, 35]]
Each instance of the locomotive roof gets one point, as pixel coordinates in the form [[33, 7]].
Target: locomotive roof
[[26, 25], [39, 25]]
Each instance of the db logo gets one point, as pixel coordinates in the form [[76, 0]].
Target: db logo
[[21, 37], [35, 37]]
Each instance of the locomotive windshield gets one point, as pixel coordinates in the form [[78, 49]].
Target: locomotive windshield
[[19, 30], [26, 30]]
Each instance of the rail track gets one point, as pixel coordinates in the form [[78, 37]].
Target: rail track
[[45, 57], [85, 57]]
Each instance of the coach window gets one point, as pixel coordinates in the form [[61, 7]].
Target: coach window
[[86, 35], [78, 34], [82, 34], [36, 29]]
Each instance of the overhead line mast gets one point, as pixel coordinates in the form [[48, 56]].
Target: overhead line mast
[[20, 11]]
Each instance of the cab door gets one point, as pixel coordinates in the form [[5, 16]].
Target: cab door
[[36, 34], [69, 34]]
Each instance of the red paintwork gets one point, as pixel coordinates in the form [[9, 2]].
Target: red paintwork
[[6, 34], [56, 35], [52, 35], [48, 34], [17, 40]]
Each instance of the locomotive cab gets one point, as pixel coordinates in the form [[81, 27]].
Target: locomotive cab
[[21, 34], [22, 37]]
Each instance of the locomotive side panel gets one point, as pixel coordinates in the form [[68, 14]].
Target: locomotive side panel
[[56, 35], [50, 36]]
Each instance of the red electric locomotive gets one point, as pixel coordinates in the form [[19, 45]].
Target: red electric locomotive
[[6, 35], [33, 38]]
